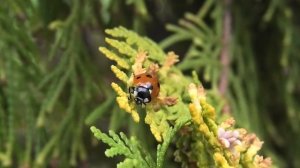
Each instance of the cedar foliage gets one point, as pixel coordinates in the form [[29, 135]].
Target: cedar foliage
[[54, 84]]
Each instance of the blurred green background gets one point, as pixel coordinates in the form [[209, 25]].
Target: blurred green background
[[54, 84]]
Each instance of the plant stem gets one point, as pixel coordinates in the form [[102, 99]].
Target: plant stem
[[225, 57]]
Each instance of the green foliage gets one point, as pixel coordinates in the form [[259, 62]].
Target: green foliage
[[213, 144], [47, 84], [162, 148], [250, 54], [205, 40], [99, 111], [54, 84], [126, 45], [121, 145], [135, 154], [133, 43]]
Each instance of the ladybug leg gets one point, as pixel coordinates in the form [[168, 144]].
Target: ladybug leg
[[129, 96], [130, 91], [138, 101]]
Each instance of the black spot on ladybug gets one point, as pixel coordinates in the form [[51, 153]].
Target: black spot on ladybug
[[149, 76], [158, 85], [138, 77]]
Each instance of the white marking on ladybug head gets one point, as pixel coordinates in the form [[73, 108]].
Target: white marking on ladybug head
[[146, 100], [145, 85], [135, 93]]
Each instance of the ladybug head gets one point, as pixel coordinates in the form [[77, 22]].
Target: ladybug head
[[141, 94]]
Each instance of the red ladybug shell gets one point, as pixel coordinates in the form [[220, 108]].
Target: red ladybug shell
[[145, 79]]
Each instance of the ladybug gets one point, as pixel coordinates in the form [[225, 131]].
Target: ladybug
[[145, 88]]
